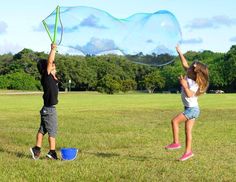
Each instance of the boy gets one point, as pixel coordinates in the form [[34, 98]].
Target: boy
[[49, 81]]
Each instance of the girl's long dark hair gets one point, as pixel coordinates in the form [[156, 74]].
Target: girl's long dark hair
[[202, 77]]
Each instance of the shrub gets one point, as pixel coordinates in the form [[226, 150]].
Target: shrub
[[21, 81]]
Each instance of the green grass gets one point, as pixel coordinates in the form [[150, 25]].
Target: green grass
[[121, 138]]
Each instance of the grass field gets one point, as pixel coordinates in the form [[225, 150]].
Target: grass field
[[121, 138]]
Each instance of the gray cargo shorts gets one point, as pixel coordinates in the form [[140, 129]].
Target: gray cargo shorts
[[48, 121]]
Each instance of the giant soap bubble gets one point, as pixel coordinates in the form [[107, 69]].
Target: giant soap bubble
[[85, 30]]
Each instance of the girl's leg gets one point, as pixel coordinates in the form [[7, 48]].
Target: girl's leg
[[175, 126], [188, 132]]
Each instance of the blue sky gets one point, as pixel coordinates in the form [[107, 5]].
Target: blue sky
[[205, 24]]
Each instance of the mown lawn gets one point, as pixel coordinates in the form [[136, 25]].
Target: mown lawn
[[121, 138]]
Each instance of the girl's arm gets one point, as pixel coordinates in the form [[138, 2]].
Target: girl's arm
[[51, 58], [182, 58], [185, 87]]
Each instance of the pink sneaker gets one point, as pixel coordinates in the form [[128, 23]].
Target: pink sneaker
[[186, 156], [173, 146]]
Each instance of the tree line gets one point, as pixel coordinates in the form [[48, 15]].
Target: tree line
[[113, 73]]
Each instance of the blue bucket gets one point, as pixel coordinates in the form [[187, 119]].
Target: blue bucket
[[69, 153]]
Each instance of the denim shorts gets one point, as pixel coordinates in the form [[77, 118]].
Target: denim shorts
[[48, 121], [191, 112]]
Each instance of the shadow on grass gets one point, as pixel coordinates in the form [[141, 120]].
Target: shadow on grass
[[16, 153], [103, 154], [139, 158], [128, 157], [144, 158]]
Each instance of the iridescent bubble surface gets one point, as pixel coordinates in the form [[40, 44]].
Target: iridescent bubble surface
[[85, 30]]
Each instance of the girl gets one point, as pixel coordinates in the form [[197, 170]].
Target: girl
[[194, 84]]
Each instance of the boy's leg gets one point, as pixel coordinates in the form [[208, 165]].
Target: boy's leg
[[39, 139], [42, 129], [50, 120], [35, 151], [188, 132], [175, 126], [52, 143], [51, 125]]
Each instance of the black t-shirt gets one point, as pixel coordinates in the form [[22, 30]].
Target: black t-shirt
[[50, 89]]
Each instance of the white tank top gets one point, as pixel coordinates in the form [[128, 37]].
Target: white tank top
[[190, 101]]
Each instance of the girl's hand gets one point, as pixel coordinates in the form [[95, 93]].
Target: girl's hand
[[183, 82], [178, 49]]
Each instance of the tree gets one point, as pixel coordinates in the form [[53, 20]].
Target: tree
[[127, 85], [4, 82], [217, 74], [22, 81], [4, 61], [171, 74], [108, 84], [230, 68], [153, 81], [113, 73]]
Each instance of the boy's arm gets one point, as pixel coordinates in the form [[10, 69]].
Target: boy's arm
[[51, 58], [182, 58]]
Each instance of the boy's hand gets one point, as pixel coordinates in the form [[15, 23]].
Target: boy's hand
[[53, 46]]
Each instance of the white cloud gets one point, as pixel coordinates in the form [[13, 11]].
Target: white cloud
[[96, 46], [149, 41], [163, 50], [198, 23], [92, 21], [192, 41], [38, 28], [213, 22], [9, 47], [3, 27], [233, 39], [224, 20]]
